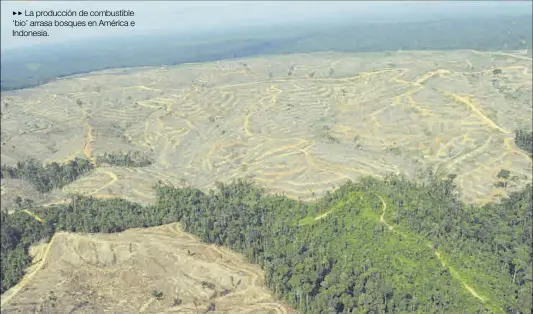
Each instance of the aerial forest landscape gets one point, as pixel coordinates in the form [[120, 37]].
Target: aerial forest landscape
[[273, 172]]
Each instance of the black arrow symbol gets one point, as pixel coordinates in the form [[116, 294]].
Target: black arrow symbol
[[20, 13], [14, 13]]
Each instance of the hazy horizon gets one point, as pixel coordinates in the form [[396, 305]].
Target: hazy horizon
[[185, 16]]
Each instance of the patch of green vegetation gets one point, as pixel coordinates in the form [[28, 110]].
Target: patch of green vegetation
[[524, 140], [129, 159], [396, 151], [331, 209], [468, 259], [504, 174], [465, 269], [346, 262], [118, 130], [157, 294], [49, 177]]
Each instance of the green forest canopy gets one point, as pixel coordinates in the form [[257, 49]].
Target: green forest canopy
[[335, 255], [346, 261]]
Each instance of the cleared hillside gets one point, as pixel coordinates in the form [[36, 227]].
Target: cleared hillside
[[298, 124], [390, 245], [119, 273]]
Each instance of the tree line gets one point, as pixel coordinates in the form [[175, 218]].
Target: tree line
[[129, 159], [333, 255], [488, 33], [346, 262], [524, 140], [45, 178]]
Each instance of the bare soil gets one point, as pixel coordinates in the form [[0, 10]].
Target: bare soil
[[297, 133], [116, 273], [300, 135]]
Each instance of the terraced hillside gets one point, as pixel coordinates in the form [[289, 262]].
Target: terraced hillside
[[298, 124], [91, 274]]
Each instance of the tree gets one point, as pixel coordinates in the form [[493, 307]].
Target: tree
[[524, 140], [157, 294], [18, 201], [52, 299], [346, 261], [504, 174]]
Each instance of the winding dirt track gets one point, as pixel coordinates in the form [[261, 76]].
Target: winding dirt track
[[297, 133], [437, 253], [31, 272]]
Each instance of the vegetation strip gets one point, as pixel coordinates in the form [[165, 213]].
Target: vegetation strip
[[333, 255], [346, 260]]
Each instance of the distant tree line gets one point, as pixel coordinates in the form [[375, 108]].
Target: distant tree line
[[524, 140], [487, 33], [129, 159], [46, 178]]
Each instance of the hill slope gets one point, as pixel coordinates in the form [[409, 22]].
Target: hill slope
[[392, 245]]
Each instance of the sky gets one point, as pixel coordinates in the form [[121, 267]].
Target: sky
[[183, 16]]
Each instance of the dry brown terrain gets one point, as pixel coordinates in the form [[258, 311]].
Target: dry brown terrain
[[299, 134], [116, 273]]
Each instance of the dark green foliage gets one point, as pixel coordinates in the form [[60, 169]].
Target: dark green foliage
[[345, 262], [18, 231], [504, 174], [129, 159], [51, 176], [487, 242], [52, 299], [524, 140], [157, 294], [500, 184], [208, 285]]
